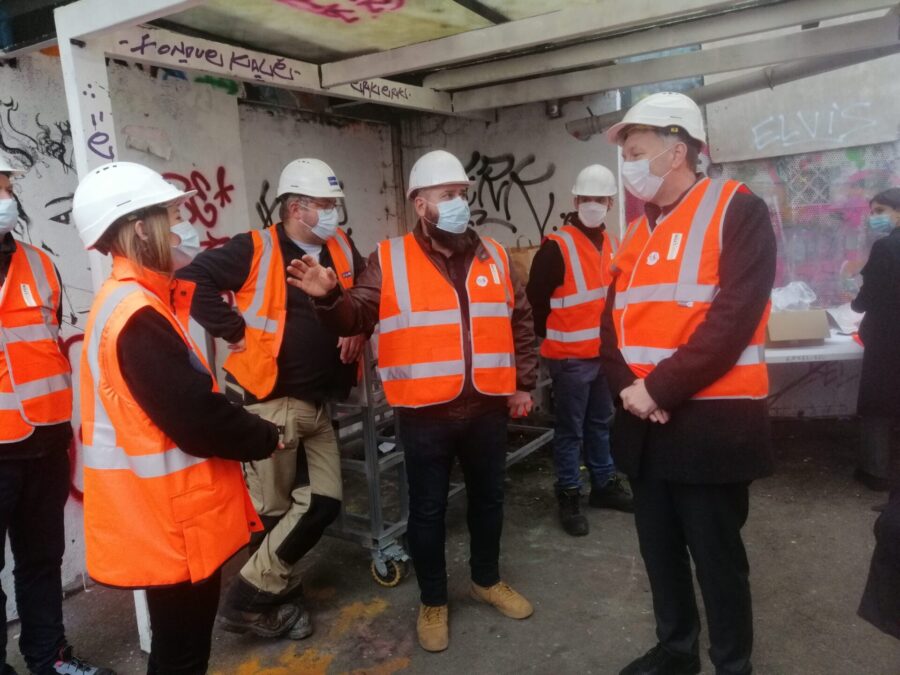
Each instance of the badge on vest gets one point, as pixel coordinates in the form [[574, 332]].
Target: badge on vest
[[674, 246], [481, 280], [347, 274], [27, 295], [653, 258]]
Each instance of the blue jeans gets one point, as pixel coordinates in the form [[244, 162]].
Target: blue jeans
[[584, 411], [430, 447]]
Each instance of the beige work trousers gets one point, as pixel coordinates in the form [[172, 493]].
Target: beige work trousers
[[283, 485]]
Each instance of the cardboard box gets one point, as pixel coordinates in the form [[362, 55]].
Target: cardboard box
[[794, 328]]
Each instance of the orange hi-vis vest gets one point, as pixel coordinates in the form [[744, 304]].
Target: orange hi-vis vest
[[262, 302], [153, 514], [35, 377], [573, 326], [666, 281], [421, 358]]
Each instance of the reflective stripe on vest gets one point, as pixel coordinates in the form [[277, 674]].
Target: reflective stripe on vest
[[680, 296], [35, 382], [105, 452], [262, 302], [154, 515], [583, 294], [573, 325], [751, 356], [342, 258], [253, 317], [403, 361]]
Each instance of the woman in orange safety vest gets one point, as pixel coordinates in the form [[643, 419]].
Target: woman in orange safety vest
[[165, 504]]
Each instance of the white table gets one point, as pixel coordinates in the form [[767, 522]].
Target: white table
[[836, 348]]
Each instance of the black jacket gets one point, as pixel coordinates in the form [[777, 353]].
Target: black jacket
[[718, 441], [309, 365], [879, 298], [177, 396]]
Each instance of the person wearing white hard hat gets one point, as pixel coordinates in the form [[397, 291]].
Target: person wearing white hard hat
[[682, 345], [567, 291], [456, 358], [165, 505], [35, 433], [284, 366]]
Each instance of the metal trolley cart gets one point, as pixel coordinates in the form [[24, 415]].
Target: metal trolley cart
[[370, 449]]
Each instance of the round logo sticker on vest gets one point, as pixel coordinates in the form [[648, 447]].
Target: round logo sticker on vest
[[482, 281], [653, 258]]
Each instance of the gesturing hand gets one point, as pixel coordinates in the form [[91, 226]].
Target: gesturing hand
[[311, 277]]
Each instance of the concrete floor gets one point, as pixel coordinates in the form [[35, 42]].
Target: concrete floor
[[809, 539]]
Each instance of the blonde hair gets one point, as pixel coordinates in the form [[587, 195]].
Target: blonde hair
[[154, 253]]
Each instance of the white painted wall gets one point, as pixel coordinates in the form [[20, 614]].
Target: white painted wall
[[196, 134], [523, 165], [358, 152], [35, 135]]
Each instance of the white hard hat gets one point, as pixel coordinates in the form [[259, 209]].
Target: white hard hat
[[595, 181], [6, 167], [311, 178], [664, 109], [437, 167], [114, 190]]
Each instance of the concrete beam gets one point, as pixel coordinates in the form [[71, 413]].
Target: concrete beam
[[156, 46], [720, 27], [86, 18], [608, 17], [808, 44]]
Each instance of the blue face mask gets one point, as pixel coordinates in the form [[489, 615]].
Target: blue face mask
[[327, 226], [453, 215], [9, 215], [881, 223]]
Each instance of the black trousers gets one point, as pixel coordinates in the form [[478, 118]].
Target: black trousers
[[33, 495], [181, 619], [430, 447], [677, 522], [880, 603]]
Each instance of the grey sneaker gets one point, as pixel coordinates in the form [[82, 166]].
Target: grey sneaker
[[68, 664]]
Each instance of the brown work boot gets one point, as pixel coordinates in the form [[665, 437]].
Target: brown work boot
[[433, 629], [500, 595]]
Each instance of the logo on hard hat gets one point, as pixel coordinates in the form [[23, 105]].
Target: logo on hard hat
[[333, 181]]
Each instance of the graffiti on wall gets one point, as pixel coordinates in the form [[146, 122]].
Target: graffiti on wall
[[818, 203], [47, 142], [346, 11], [834, 123], [205, 208], [504, 184]]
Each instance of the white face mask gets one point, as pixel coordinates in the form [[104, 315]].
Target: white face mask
[[9, 215], [189, 246], [592, 214], [638, 179], [327, 225]]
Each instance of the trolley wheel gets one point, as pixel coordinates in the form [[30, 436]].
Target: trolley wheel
[[396, 570]]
